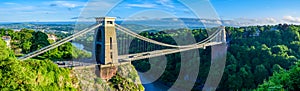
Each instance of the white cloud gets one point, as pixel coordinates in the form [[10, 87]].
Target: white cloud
[[10, 3], [291, 19], [264, 21], [17, 9], [96, 8], [218, 22], [67, 4], [203, 21], [271, 20], [142, 5], [101, 3], [255, 21], [97, 5], [166, 3]]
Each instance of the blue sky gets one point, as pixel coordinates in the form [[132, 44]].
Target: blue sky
[[242, 11]]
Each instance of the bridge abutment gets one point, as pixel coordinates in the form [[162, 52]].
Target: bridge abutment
[[106, 72]]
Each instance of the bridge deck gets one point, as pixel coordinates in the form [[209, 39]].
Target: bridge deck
[[144, 55], [126, 59]]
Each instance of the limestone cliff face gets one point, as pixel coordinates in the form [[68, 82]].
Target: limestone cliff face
[[128, 71], [89, 81], [126, 79]]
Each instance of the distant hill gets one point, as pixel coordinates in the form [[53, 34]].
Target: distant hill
[[160, 23]]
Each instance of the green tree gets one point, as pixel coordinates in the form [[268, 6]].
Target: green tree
[[279, 49], [283, 80], [261, 73], [4, 52], [277, 68], [39, 41]]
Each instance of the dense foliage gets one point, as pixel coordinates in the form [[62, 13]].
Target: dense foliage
[[283, 79], [254, 54], [4, 51], [119, 83], [32, 74], [40, 74], [26, 41]]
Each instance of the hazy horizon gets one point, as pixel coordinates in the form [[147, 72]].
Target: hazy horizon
[[254, 12]]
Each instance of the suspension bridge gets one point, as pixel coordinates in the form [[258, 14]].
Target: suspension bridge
[[112, 44]]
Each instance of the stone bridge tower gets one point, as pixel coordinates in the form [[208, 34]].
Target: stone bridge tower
[[106, 48]]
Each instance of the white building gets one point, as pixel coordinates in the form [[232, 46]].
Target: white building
[[7, 40], [52, 37]]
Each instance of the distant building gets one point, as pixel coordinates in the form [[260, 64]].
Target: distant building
[[64, 32], [7, 40], [43, 30], [17, 30], [52, 37]]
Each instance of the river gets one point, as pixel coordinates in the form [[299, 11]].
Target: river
[[78, 45], [154, 86]]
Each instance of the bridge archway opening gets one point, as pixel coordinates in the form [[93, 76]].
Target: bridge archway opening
[[99, 35]]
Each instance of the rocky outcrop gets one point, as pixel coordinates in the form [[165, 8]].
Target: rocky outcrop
[[126, 79], [89, 81]]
